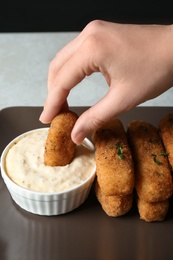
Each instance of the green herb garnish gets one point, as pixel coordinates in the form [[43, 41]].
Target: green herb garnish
[[165, 154], [119, 150], [155, 159]]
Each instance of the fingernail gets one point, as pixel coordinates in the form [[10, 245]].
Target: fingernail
[[78, 138], [42, 118]]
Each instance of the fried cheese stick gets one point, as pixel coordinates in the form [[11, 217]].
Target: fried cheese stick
[[114, 206], [153, 181], [114, 163], [59, 147], [152, 211], [166, 130]]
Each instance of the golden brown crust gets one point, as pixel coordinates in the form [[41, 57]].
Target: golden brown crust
[[59, 147], [114, 164], [114, 206], [151, 212], [166, 130], [153, 180]]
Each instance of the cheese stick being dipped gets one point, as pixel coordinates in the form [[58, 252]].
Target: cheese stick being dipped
[[59, 148]]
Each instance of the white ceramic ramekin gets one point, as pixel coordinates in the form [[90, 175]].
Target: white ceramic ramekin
[[46, 203]]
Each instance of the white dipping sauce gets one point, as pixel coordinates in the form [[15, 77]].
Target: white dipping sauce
[[25, 165]]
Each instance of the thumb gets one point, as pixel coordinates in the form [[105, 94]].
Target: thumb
[[108, 107]]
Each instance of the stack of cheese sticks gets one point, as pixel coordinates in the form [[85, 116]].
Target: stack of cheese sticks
[[136, 164]]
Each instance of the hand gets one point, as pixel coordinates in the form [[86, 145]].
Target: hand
[[136, 61]]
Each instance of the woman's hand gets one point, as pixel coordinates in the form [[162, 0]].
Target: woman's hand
[[136, 61]]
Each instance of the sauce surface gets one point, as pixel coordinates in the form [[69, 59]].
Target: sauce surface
[[25, 165]]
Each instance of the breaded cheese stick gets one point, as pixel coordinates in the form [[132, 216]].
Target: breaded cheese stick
[[114, 206], [114, 163], [166, 130], [153, 181], [152, 211], [59, 147]]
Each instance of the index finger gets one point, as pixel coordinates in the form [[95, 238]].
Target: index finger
[[68, 76]]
